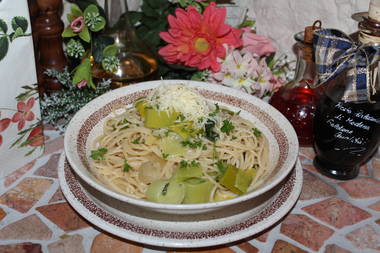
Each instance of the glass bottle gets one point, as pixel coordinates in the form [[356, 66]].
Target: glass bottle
[[137, 63], [297, 100], [347, 133]]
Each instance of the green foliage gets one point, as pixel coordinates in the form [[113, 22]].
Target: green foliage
[[20, 22], [58, 108], [19, 25]]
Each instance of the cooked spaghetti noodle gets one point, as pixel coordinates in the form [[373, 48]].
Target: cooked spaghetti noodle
[[129, 156]]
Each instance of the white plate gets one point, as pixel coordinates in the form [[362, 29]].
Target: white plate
[[172, 231]]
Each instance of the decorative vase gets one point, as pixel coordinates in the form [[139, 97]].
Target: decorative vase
[[136, 62]]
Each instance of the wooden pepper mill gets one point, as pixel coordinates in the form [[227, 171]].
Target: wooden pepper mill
[[49, 27]]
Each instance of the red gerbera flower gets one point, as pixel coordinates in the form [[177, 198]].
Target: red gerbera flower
[[24, 113], [198, 40]]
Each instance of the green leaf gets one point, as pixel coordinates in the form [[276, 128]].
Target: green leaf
[[83, 72], [99, 25], [85, 35], [134, 17], [70, 17], [110, 50], [99, 43], [18, 32], [75, 11], [20, 22], [148, 10], [227, 126], [3, 26], [68, 32], [91, 8], [4, 44]]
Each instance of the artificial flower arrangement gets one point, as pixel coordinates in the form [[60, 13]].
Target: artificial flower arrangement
[[190, 39]]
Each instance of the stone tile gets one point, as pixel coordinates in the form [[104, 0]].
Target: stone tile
[[23, 196], [68, 244], [11, 178], [376, 167], [366, 237], [307, 152], [70, 221], [106, 243], [54, 145], [49, 169], [247, 247], [219, 250], [361, 188], [364, 170], [375, 206], [26, 247], [337, 212], [281, 246], [263, 237], [28, 228], [304, 230], [333, 248], [2, 214], [58, 196], [314, 188]]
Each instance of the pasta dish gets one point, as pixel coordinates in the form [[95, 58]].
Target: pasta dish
[[175, 147]]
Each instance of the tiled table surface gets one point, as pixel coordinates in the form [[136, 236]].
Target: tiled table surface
[[330, 216]]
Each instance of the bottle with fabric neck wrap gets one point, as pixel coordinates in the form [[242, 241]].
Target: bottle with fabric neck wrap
[[347, 120]]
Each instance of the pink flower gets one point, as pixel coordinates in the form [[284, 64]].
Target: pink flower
[[256, 43], [197, 40], [77, 24], [24, 113], [36, 137], [82, 83]]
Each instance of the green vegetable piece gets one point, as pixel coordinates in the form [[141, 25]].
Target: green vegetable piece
[[183, 173], [110, 50], [171, 145], [197, 191], [159, 119], [183, 129], [140, 107], [165, 191], [243, 180], [237, 180], [229, 178]]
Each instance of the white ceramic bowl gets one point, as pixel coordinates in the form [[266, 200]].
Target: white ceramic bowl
[[87, 124]]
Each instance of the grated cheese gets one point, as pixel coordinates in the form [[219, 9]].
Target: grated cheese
[[182, 99]]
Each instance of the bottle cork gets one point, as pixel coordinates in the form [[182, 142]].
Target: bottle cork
[[309, 30]]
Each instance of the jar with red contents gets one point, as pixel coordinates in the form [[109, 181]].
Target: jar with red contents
[[297, 100]]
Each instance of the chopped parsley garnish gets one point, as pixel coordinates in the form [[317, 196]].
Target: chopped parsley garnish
[[233, 137], [256, 132], [194, 144], [165, 189], [165, 156], [123, 122], [227, 126], [221, 165], [214, 113], [183, 164], [98, 154], [181, 117], [138, 141], [209, 130], [126, 166]]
